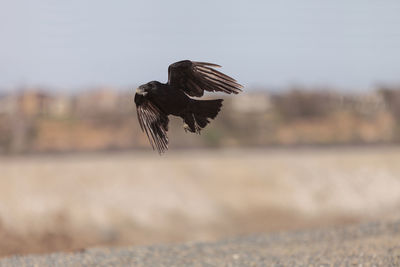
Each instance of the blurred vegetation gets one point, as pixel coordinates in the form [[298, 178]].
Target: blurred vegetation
[[34, 120]]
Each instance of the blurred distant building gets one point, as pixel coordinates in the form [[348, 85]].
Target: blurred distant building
[[32, 103], [100, 100], [366, 104], [8, 104], [60, 106], [125, 102], [251, 103]]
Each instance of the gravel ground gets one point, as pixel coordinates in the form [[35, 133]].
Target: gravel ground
[[368, 244]]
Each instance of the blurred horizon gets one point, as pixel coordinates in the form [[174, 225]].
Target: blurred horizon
[[104, 119], [68, 46]]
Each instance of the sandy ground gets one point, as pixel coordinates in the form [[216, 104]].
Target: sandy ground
[[69, 202]]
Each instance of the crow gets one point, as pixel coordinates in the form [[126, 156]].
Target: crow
[[155, 101]]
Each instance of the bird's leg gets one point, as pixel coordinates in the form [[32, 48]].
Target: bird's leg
[[196, 126], [186, 127], [190, 123]]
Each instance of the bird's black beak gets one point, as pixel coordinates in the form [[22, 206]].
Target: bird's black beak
[[141, 91]]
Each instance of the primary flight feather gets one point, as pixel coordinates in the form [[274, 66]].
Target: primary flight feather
[[155, 101]]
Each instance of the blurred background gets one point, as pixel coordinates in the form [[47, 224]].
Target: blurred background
[[312, 140]]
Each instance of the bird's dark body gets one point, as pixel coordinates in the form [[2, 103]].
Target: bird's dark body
[[155, 101], [168, 99]]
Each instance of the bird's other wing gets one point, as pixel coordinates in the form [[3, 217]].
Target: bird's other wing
[[154, 123], [196, 77]]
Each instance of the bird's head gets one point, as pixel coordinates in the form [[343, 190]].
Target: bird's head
[[144, 89]]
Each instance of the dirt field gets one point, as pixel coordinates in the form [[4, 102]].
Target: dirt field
[[68, 202]]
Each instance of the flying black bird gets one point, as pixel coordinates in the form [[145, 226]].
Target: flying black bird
[[155, 100]]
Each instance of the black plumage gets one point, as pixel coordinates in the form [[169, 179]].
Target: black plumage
[[155, 100]]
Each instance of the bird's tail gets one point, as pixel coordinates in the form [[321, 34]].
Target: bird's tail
[[201, 112]]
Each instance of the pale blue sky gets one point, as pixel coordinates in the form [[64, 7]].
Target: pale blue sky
[[77, 43]]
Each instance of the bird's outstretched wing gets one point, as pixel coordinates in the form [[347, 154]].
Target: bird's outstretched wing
[[195, 77], [154, 123]]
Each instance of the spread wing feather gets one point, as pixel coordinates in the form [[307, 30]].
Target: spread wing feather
[[196, 77], [154, 123]]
